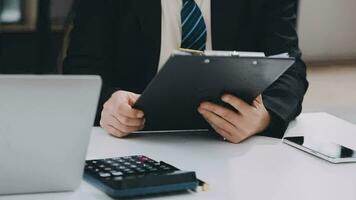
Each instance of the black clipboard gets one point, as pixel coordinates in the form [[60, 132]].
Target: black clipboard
[[171, 100]]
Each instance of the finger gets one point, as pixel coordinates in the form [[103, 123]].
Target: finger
[[217, 121], [234, 139], [112, 121], [237, 103], [224, 113], [133, 98], [234, 131], [258, 101], [130, 121], [113, 131], [129, 129], [127, 111], [221, 132]]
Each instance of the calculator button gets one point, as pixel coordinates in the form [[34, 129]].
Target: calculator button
[[101, 166], [104, 175], [116, 173], [107, 169]]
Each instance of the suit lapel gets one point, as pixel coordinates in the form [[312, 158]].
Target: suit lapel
[[149, 16]]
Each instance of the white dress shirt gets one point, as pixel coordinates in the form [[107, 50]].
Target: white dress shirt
[[171, 33]]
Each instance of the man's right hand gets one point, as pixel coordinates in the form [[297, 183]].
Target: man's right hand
[[119, 118]]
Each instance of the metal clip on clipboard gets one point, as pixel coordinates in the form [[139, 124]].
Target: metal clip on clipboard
[[182, 51]]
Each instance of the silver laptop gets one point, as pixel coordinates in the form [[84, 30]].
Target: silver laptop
[[45, 125]]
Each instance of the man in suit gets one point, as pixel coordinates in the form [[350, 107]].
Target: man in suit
[[128, 41]]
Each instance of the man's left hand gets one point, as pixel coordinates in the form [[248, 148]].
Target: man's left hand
[[237, 126]]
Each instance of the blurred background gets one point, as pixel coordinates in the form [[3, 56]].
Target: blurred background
[[33, 33]]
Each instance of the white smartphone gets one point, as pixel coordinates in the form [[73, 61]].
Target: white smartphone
[[332, 152]]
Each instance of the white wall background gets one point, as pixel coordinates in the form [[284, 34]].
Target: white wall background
[[327, 29]]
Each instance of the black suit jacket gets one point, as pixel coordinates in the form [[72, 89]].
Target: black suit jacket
[[121, 40]]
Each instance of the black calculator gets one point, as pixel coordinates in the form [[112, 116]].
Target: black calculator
[[132, 176]]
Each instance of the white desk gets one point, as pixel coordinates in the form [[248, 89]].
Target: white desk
[[260, 168]]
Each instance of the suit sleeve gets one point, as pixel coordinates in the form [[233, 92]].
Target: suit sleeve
[[91, 47], [284, 98]]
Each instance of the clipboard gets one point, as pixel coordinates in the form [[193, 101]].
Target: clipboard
[[171, 100]]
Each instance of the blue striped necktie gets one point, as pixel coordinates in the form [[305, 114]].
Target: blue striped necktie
[[193, 27]]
